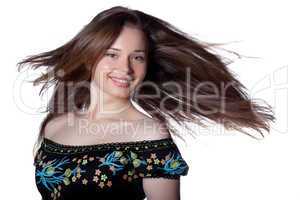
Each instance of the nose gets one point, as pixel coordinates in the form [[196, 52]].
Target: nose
[[125, 65]]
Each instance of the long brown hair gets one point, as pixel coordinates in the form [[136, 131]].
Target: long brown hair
[[217, 95]]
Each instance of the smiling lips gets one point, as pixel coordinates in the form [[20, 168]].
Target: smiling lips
[[121, 82]]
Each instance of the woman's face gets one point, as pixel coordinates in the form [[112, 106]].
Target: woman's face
[[124, 64]]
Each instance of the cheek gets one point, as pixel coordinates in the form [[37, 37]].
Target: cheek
[[101, 72], [103, 66], [140, 72]]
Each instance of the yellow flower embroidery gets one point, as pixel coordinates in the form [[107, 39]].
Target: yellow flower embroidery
[[74, 178], [130, 173], [84, 181], [103, 177], [156, 161], [84, 161]]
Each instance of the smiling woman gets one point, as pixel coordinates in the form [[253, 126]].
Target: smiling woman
[[123, 66], [124, 56]]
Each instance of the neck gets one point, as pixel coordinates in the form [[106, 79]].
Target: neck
[[105, 106]]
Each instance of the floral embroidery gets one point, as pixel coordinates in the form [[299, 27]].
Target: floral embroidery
[[111, 160], [155, 160], [174, 165], [52, 175]]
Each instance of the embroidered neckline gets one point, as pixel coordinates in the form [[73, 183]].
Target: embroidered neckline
[[56, 147]]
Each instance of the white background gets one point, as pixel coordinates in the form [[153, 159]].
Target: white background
[[227, 166]]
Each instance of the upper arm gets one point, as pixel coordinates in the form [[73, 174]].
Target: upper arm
[[161, 188], [162, 185]]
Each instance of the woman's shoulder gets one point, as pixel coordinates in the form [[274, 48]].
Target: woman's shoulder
[[58, 124]]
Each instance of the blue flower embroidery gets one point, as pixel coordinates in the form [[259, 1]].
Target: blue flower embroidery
[[174, 165], [111, 159], [53, 173]]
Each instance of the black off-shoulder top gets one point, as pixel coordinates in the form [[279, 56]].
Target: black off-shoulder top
[[104, 171]]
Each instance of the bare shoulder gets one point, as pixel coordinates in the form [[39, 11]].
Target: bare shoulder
[[57, 124], [155, 130]]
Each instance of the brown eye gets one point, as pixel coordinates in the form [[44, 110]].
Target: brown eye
[[112, 55], [139, 58]]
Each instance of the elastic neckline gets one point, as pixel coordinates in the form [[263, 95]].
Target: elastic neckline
[[138, 142], [53, 146]]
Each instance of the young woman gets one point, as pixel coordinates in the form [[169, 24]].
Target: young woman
[[94, 143]]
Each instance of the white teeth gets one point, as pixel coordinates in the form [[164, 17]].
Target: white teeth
[[120, 80]]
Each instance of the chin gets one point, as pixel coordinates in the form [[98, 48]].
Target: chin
[[119, 92]]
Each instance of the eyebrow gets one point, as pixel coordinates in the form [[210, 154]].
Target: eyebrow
[[139, 50]]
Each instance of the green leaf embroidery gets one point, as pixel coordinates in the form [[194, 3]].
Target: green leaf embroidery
[[136, 162], [68, 172], [133, 155], [66, 181], [50, 171]]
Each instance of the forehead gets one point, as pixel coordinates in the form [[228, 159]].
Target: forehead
[[131, 38]]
